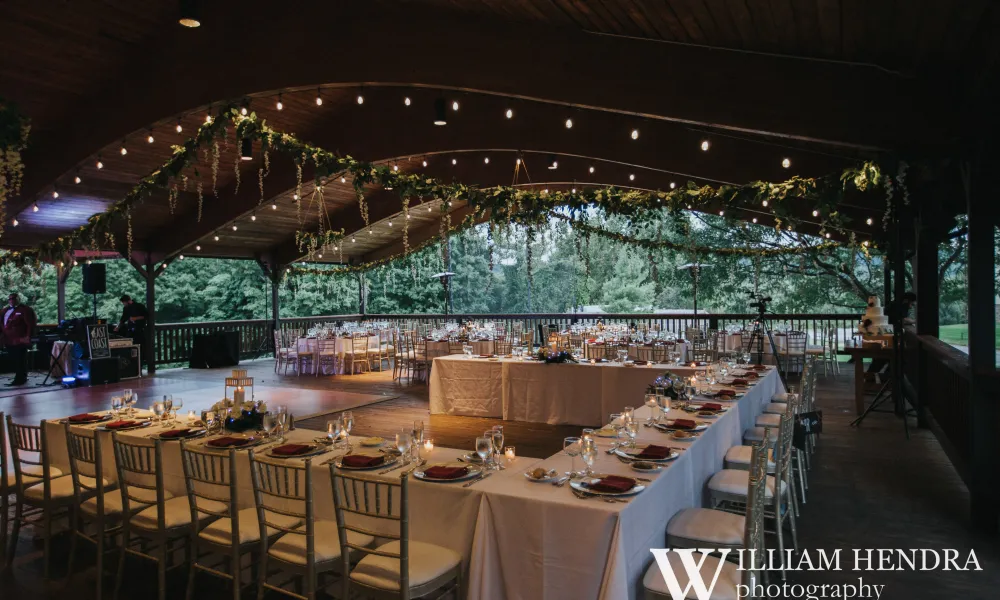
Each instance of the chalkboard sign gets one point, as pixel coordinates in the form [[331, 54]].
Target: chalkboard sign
[[97, 340]]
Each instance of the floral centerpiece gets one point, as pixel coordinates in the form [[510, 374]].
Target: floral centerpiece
[[664, 385], [240, 417], [555, 358]]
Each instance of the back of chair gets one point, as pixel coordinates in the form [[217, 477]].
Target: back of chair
[[283, 489], [795, 342], [359, 344], [783, 448], [3, 461], [753, 533], [211, 476], [140, 467], [455, 346], [27, 439], [327, 345], [84, 451], [372, 499]]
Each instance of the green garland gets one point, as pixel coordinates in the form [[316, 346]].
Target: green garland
[[14, 130], [500, 205]]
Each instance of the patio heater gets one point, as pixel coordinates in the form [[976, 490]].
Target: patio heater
[[694, 269], [445, 279]]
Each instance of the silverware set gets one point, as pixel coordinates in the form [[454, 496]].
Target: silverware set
[[587, 496], [478, 479]]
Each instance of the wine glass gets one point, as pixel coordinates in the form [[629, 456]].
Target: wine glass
[[571, 446], [348, 417], [497, 437], [663, 402], [269, 423], [632, 429], [116, 405], [333, 430], [403, 442], [588, 451], [158, 409], [467, 350], [418, 431], [651, 404], [178, 405], [622, 355], [484, 447], [168, 405], [281, 417]]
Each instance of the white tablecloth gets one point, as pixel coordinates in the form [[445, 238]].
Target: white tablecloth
[[579, 394], [536, 541]]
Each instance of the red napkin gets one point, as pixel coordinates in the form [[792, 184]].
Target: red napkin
[[441, 472], [291, 449], [119, 424], [725, 392], [487, 355], [640, 362], [751, 375], [175, 433], [361, 461], [227, 442], [740, 381], [85, 418], [653, 452], [759, 368], [613, 484], [711, 406], [684, 424]]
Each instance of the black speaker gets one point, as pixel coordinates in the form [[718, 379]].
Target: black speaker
[[128, 361], [99, 370], [94, 276]]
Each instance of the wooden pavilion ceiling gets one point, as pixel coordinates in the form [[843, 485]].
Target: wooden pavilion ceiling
[[92, 74]]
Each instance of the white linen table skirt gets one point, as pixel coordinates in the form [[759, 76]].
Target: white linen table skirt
[[536, 541], [578, 394]]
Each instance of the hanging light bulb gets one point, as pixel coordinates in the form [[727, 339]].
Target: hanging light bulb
[[319, 256], [198, 248], [786, 163], [865, 243], [343, 179], [553, 163], [449, 203], [77, 179], [360, 99], [868, 221], [764, 203], [234, 227], [428, 209], [280, 105], [631, 176], [246, 149], [486, 160], [673, 185], [406, 101], [353, 239], [189, 14], [722, 212], [454, 161], [569, 123], [150, 138], [424, 163], [828, 235], [518, 161], [100, 165], [181, 256], [179, 127], [439, 113], [509, 114], [319, 98], [815, 213], [34, 207], [15, 222], [407, 216], [75, 263], [243, 111], [208, 119], [390, 223], [274, 206], [295, 196], [123, 150], [215, 237], [395, 168], [572, 191], [635, 134], [705, 145], [253, 217], [454, 105], [55, 193]]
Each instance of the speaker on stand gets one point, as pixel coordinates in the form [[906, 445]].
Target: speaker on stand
[[94, 281]]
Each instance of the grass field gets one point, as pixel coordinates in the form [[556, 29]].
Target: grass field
[[959, 334]]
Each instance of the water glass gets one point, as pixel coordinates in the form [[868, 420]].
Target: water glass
[[484, 448], [348, 417], [588, 450], [632, 428], [333, 430], [116, 405], [269, 423], [622, 356], [403, 442], [497, 437], [572, 448], [467, 350], [418, 432], [158, 409], [168, 405], [178, 405], [651, 404], [663, 402]]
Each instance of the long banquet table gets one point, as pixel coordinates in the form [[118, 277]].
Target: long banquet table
[[521, 539], [516, 390]]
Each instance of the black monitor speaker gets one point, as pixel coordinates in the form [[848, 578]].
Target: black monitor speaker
[[94, 276]]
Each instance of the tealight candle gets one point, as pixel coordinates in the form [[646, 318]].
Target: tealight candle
[[593, 361], [509, 453], [192, 416], [428, 445]]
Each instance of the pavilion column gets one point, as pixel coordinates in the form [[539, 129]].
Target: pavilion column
[[143, 264], [362, 295], [926, 271], [275, 278], [62, 275], [984, 485]]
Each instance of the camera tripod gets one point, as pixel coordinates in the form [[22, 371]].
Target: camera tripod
[[761, 329]]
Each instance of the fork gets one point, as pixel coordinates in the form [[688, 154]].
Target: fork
[[586, 496]]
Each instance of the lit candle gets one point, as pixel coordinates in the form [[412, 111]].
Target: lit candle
[[192, 416], [429, 445], [693, 364], [238, 395], [509, 453]]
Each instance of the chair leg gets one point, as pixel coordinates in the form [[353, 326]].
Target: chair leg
[[46, 543], [778, 528], [99, 560], [4, 520], [120, 576], [74, 524], [192, 572], [235, 569], [161, 571], [795, 532]]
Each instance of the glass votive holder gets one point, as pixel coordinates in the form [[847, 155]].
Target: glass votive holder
[[508, 452], [428, 445]]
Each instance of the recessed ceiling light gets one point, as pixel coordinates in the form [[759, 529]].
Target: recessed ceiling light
[[189, 14], [439, 112]]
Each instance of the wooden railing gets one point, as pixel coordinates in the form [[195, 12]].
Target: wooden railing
[[173, 340]]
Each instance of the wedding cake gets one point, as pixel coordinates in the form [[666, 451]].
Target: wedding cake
[[874, 321]]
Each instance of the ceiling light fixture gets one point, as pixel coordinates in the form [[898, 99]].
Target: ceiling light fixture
[[406, 101], [486, 160], [319, 98], [77, 179], [246, 149], [553, 163], [189, 14], [234, 227], [198, 248], [454, 105], [274, 207], [454, 161], [179, 127], [34, 207], [150, 139], [361, 99], [123, 149], [215, 237], [439, 113]]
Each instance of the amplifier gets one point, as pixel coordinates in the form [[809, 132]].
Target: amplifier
[[129, 363], [120, 342], [100, 370]]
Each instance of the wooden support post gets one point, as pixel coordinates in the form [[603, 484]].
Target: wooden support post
[[984, 485], [362, 295], [143, 264], [276, 297], [926, 271], [62, 274], [900, 220]]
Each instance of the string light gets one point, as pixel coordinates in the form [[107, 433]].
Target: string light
[[208, 119], [454, 161], [319, 256], [179, 127], [454, 105], [572, 191], [486, 160], [509, 114], [343, 179], [815, 213], [34, 207], [705, 145], [253, 217], [279, 104], [319, 98], [635, 134], [755, 219], [722, 212], [243, 111], [181, 257], [274, 207], [390, 223], [631, 177], [55, 193], [215, 237], [77, 179], [518, 161], [396, 167], [198, 248], [764, 203], [361, 99], [424, 163], [123, 150], [295, 196], [15, 222], [100, 165], [786, 163], [865, 243], [439, 113], [406, 101], [569, 123], [868, 221], [828, 236], [591, 170], [353, 239], [673, 185], [234, 228], [150, 139], [545, 191]]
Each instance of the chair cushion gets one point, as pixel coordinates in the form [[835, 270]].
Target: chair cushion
[[291, 547], [738, 457], [31, 474], [219, 531], [768, 420], [756, 434], [113, 501], [714, 527], [61, 488], [177, 513], [734, 482], [725, 588], [427, 562], [775, 408]]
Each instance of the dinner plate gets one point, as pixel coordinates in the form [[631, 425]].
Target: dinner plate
[[624, 453], [389, 461], [579, 486], [372, 442], [545, 479], [698, 427], [474, 471], [196, 433], [138, 425], [94, 421], [605, 432], [317, 449]]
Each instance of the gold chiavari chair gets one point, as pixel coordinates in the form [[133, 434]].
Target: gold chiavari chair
[[96, 501], [42, 492], [358, 354], [401, 360], [326, 355], [455, 346], [701, 350], [794, 354], [730, 575], [290, 342], [163, 526], [419, 361], [219, 544], [401, 568], [308, 550], [7, 485]]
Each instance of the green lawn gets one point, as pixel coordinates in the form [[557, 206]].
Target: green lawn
[[959, 334]]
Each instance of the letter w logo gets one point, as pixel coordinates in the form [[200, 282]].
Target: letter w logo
[[692, 571]]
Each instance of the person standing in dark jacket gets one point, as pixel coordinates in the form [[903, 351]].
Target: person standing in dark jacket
[[19, 323]]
